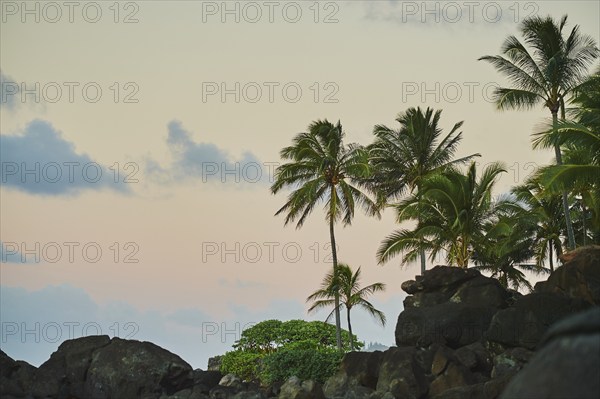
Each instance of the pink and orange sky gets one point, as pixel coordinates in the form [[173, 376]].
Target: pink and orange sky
[[139, 139]]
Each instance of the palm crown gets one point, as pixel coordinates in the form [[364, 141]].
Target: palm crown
[[322, 168]]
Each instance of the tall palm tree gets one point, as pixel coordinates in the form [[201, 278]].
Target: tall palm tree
[[545, 210], [351, 294], [323, 169], [547, 73], [404, 158], [581, 139], [450, 214]]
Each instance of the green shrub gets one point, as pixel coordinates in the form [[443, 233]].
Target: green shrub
[[241, 363], [305, 364], [273, 350]]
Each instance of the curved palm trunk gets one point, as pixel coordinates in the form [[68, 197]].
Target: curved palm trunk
[[350, 329], [338, 328], [565, 201]]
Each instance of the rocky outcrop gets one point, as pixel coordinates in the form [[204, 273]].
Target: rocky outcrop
[[462, 335], [567, 364], [125, 369], [578, 278], [450, 306], [97, 367], [293, 388], [15, 376], [358, 369]]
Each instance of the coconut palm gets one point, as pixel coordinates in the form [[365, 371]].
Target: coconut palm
[[580, 139], [506, 249], [450, 215], [404, 158], [351, 294], [547, 73], [322, 169], [543, 209]]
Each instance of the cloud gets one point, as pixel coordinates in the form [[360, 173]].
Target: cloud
[[206, 162], [9, 92], [9, 253], [190, 317], [35, 323], [40, 162]]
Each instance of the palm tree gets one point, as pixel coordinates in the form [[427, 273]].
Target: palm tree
[[323, 169], [548, 73], [545, 211], [351, 294], [404, 158], [508, 245], [581, 139], [450, 215]]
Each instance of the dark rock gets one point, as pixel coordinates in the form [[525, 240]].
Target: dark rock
[[444, 276], [436, 286], [441, 358], [510, 362], [214, 363], [450, 323], [133, 369], [356, 369], [411, 287], [402, 374], [475, 357], [450, 306], [579, 277], [448, 371], [485, 390], [15, 376], [525, 323], [232, 381], [249, 395], [273, 389], [567, 365], [454, 375], [204, 381], [293, 388], [222, 392], [481, 291], [357, 392], [183, 394], [66, 370]]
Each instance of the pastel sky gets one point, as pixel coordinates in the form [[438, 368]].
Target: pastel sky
[[138, 141]]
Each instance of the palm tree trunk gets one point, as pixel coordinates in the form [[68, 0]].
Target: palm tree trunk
[[421, 251], [583, 227], [338, 327], [550, 256], [350, 329], [565, 201]]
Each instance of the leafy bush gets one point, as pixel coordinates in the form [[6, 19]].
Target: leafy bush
[[270, 335], [305, 364], [241, 363], [273, 350], [261, 337]]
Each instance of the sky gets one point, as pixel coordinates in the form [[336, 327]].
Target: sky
[[139, 140]]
